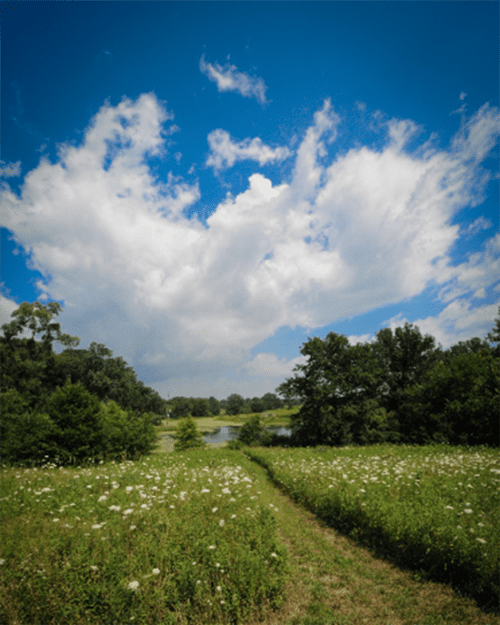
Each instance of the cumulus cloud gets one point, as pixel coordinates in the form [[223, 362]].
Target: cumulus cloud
[[224, 152], [10, 170], [187, 301], [270, 365], [459, 321], [228, 78]]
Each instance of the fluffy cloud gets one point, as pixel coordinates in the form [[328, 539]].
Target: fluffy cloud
[[224, 152], [187, 301], [228, 78], [270, 365]]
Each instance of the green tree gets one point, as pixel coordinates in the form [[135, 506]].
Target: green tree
[[257, 405], [76, 414], [404, 356], [234, 404], [181, 407], [338, 385], [187, 435], [456, 402], [214, 406], [271, 401], [252, 431], [200, 407]]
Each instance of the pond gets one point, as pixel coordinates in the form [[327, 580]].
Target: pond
[[230, 433]]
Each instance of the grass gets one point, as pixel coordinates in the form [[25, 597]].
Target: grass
[[131, 543], [179, 538], [434, 509]]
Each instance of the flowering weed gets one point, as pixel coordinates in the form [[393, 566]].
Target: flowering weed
[[174, 539], [432, 508]]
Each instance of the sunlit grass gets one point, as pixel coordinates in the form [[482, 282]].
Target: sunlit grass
[[432, 508], [177, 538]]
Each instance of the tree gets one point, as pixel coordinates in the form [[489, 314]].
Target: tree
[[252, 431], [271, 401], [200, 407], [214, 406], [404, 356], [338, 385], [457, 402], [234, 404], [187, 435], [181, 407]]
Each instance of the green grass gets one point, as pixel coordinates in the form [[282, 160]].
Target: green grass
[[434, 509], [178, 538]]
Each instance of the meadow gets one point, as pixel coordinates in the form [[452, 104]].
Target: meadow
[[434, 509], [175, 538]]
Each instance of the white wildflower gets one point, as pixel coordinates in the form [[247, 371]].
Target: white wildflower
[[221, 523], [133, 586], [156, 571]]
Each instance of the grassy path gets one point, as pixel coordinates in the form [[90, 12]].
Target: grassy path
[[333, 581]]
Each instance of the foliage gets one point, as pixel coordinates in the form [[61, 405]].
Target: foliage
[[178, 539], [124, 434], [339, 386], [457, 402], [200, 407], [252, 432], [400, 388], [181, 407], [214, 406], [187, 435], [234, 404], [434, 509]]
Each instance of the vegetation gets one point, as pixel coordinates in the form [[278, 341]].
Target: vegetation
[[401, 389], [187, 435], [434, 509], [72, 407], [174, 539]]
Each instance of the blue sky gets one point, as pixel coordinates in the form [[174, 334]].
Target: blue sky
[[204, 185]]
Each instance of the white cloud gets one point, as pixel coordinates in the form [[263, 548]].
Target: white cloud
[[459, 321], [9, 170], [224, 152], [266, 364], [186, 301], [228, 78]]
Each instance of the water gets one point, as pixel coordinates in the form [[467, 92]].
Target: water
[[230, 433]]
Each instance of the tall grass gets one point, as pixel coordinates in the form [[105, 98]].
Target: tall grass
[[435, 508], [177, 538]]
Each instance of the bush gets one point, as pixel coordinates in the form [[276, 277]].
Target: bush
[[125, 434], [187, 435]]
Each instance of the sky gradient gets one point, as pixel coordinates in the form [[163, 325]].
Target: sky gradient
[[205, 185]]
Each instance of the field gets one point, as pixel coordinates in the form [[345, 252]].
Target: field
[[204, 537], [434, 509], [173, 539]]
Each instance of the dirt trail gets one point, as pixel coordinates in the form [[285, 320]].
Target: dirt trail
[[333, 581]]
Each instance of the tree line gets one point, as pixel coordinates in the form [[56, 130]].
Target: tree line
[[180, 407], [400, 388], [71, 407]]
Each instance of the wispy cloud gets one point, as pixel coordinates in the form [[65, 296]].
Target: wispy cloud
[[224, 152], [348, 234], [228, 78]]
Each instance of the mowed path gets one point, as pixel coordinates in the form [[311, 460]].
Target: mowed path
[[333, 581]]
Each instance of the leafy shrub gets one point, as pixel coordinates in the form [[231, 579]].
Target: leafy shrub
[[187, 435]]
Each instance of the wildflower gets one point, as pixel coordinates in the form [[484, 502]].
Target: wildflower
[[481, 540], [215, 509], [273, 555], [156, 571], [128, 511], [467, 511], [93, 567], [102, 498], [221, 523], [133, 527], [133, 586], [212, 547], [219, 589], [55, 520], [2, 561], [115, 508]]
